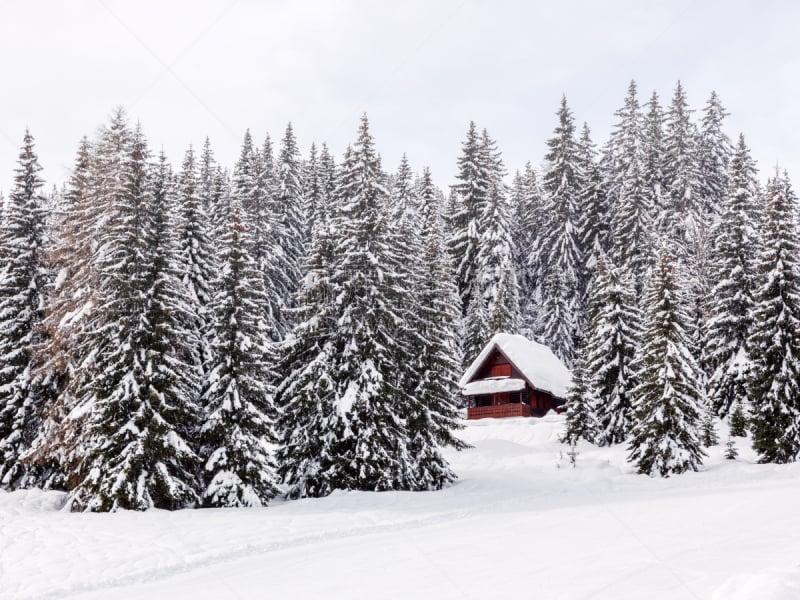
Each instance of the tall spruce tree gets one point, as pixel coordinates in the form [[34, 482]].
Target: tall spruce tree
[[668, 398], [142, 387], [563, 283], [196, 259], [470, 196], [731, 300], [593, 217], [774, 340], [433, 417], [683, 206], [23, 282], [289, 230], [369, 299], [496, 275], [714, 151], [612, 339], [238, 428], [312, 455]]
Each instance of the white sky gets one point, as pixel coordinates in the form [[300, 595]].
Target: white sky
[[421, 70]]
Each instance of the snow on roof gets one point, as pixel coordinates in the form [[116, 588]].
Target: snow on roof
[[495, 385], [535, 361]]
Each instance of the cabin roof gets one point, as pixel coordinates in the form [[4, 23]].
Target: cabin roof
[[535, 361]]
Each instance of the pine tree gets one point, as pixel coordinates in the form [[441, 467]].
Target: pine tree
[[653, 155], [211, 188], [476, 329], [774, 340], [433, 418], [730, 302], [251, 187], [708, 431], [668, 395], [496, 279], [631, 226], [563, 283], [731, 452], [611, 341], [141, 390], [714, 152], [312, 191], [196, 257], [593, 221], [23, 281], [369, 299], [74, 229], [738, 420], [580, 420], [289, 233], [238, 398], [312, 455], [681, 169], [625, 145], [470, 195]]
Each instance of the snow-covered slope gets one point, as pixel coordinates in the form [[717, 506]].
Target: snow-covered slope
[[520, 523]]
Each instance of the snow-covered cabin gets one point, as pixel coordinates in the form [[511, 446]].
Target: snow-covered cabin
[[514, 377]]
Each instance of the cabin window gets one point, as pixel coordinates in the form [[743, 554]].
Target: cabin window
[[501, 370], [514, 397]]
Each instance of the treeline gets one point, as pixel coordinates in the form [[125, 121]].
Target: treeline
[[201, 337], [195, 338]]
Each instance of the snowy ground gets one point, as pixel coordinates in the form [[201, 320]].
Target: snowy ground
[[520, 523]]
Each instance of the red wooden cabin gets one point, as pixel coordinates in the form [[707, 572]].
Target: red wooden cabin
[[514, 377]]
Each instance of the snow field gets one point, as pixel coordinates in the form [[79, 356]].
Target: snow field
[[520, 522]]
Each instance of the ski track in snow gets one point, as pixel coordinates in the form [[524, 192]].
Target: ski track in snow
[[514, 525]]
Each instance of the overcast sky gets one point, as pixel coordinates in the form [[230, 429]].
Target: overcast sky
[[421, 70]]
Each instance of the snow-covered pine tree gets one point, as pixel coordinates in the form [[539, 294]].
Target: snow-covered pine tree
[[497, 279], [433, 418], [403, 198], [476, 329], [737, 419], [196, 260], [369, 304], [141, 394], [624, 145], [681, 170], [593, 218], [470, 196], [774, 340], [580, 403], [289, 234], [527, 231], [312, 190], [708, 429], [73, 229], [311, 456], [251, 187], [611, 341], [667, 397], [563, 282], [653, 154], [23, 281], [731, 299], [504, 311], [714, 152], [240, 413], [632, 227], [328, 180], [210, 187]]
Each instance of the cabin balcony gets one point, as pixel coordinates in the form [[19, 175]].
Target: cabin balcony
[[499, 411]]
